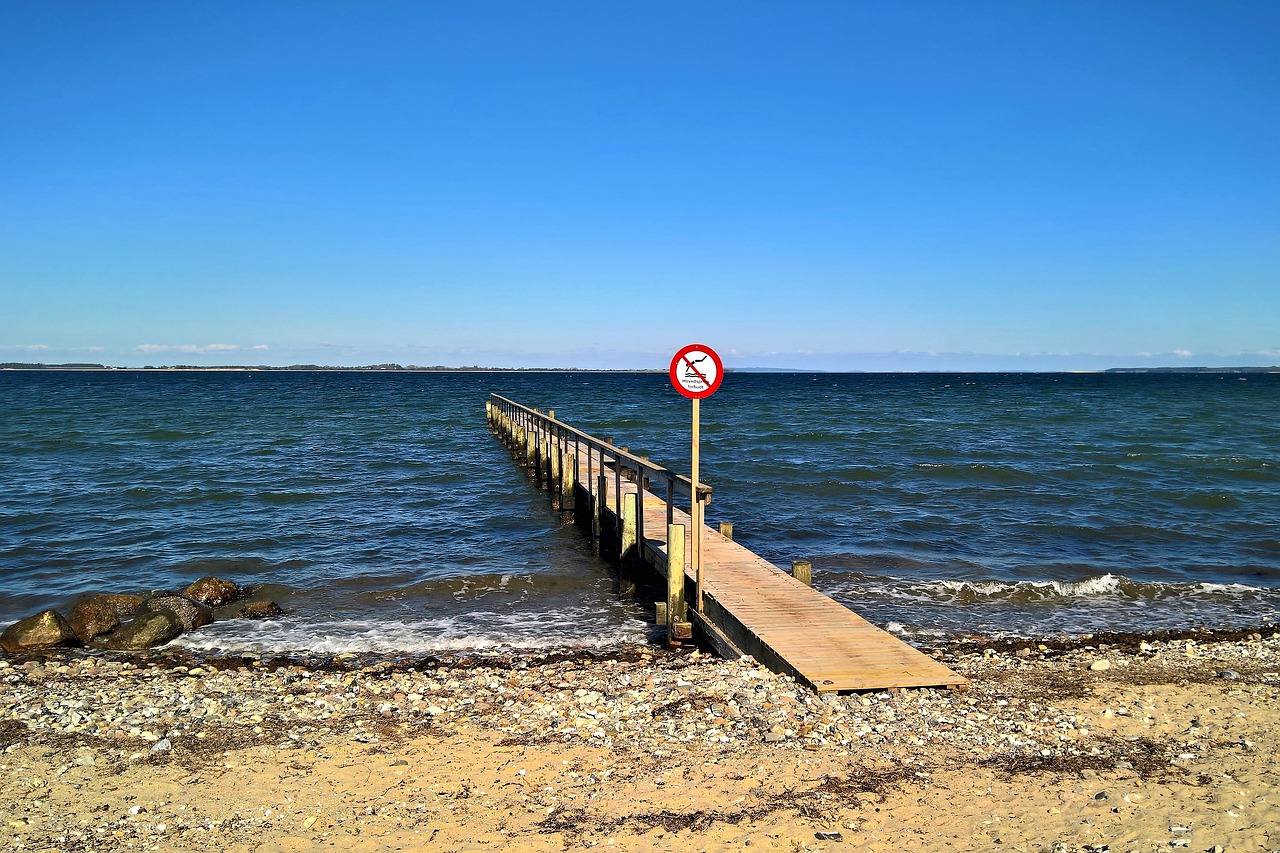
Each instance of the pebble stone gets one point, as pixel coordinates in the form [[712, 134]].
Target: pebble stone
[[635, 698]]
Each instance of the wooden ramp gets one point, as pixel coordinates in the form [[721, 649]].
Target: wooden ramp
[[750, 606]]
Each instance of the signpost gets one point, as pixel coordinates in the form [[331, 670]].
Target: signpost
[[696, 372]]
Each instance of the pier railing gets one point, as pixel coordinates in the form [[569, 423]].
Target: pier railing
[[552, 449]]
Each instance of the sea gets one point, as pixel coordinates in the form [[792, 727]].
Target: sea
[[380, 512]]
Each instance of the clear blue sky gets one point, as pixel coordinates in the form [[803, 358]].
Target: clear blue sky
[[836, 185]]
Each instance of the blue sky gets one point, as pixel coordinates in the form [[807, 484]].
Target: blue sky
[[842, 185]]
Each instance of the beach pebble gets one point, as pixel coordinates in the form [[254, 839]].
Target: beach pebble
[[1100, 665], [829, 835], [1229, 674]]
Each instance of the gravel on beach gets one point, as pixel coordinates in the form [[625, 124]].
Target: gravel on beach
[[77, 730]]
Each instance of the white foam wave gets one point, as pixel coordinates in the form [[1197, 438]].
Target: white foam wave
[[1106, 586], [474, 632]]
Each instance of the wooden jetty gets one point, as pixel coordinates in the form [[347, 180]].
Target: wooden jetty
[[627, 504]]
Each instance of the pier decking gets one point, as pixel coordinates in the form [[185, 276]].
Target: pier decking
[[628, 506]]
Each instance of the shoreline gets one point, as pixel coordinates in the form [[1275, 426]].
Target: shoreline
[[643, 749], [170, 656]]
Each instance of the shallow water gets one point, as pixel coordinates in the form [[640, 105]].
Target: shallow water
[[388, 518]]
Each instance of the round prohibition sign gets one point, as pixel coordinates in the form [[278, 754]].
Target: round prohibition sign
[[696, 371]]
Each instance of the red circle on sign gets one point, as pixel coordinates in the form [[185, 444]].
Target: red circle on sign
[[696, 371]]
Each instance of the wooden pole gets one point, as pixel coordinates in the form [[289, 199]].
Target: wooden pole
[[545, 463], [557, 464], [602, 502], [628, 526], [591, 502], [569, 471], [726, 530], [695, 512], [802, 570], [675, 579]]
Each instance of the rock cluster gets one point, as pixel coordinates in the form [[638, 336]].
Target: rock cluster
[[133, 622]]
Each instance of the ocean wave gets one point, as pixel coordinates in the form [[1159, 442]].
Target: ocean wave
[[480, 630], [1111, 587]]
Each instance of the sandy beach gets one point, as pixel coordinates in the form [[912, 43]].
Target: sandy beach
[[1099, 744]]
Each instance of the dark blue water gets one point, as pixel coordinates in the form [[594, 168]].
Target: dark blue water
[[384, 515]]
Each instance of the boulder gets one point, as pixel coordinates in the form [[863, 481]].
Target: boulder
[[190, 614], [93, 617], [45, 630], [259, 610], [125, 606], [213, 592], [146, 630]]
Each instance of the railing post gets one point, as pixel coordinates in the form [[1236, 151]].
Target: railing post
[[671, 499], [802, 570], [726, 530]]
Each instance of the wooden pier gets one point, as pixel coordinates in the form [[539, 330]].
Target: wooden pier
[[628, 505]]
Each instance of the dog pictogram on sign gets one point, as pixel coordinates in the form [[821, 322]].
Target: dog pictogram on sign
[[696, 371]]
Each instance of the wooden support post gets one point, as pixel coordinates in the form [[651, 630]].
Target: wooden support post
[[628, 527], [659, 613], [640, 526], [602, 506], [544, 463], [557, 466], [676, 615], [726, 530], [593, 521], [569, 479], [802, 570]]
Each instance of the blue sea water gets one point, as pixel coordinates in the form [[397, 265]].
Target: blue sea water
[[383, 515]]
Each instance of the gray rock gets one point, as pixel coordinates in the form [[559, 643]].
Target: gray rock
[[190, 614], [829, 835], [46, 630], [1229, 674], [162, 745], [213, 592], [146, 630]]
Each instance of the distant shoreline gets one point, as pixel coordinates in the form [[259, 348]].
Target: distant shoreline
[[397, 368], [309, 368]]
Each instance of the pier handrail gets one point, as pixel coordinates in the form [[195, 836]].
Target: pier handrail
[[623, 459]]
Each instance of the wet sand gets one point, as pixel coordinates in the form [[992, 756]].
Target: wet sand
[[1171, 744]]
